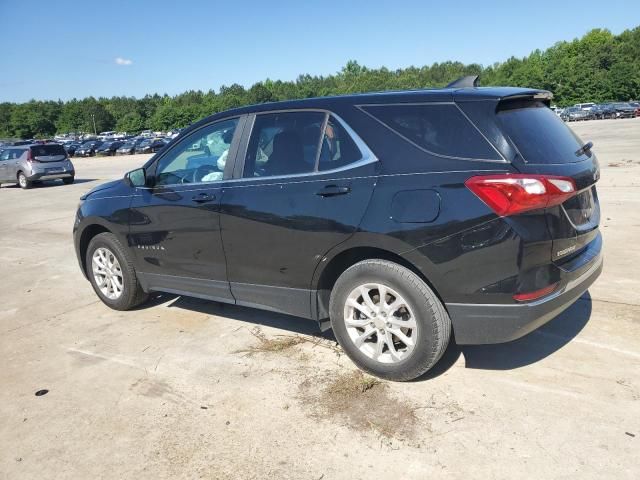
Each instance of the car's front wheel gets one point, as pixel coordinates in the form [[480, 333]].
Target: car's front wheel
[[111, 273], [388, 320], [68, 180]]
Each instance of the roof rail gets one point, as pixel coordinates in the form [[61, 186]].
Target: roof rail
[[464, 82]]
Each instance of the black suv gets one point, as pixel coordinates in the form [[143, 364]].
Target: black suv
[[393, 218]]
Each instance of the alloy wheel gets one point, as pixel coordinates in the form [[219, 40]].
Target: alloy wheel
[[107, 273], [380, 323]]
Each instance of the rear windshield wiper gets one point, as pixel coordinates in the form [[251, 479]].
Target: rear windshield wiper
[[584, 149]]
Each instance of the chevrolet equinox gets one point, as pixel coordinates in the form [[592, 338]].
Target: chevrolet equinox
[[397, 219]]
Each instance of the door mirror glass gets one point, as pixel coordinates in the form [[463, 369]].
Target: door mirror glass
[[137, 178]]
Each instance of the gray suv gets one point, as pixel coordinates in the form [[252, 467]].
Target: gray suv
[[27, 164]]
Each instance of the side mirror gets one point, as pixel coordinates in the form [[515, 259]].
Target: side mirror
[[137, 177]]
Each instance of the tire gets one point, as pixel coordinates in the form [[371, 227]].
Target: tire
[[68, 180], [430, 336], [131, 294], [23, 181]]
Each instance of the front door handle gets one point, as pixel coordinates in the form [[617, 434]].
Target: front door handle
[[333, 190], [203, 198]]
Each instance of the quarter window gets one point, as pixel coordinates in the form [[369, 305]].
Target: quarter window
[[338, 148], [200, 157], [438, 128]]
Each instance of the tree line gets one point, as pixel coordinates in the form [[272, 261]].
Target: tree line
[[598, 67]]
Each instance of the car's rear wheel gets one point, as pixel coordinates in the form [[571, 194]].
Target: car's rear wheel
[[23, 181], [68, 180], [111, 273], [388, 320]]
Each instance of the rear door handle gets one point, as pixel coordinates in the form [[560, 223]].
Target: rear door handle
[[333, 190], [203, 198]]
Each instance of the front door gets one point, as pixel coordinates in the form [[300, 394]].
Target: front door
[[305, 187], [175, 222]]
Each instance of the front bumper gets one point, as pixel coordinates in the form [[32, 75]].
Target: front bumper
[[479, 324]]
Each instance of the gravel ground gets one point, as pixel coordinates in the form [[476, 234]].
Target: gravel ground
[[190, 389]]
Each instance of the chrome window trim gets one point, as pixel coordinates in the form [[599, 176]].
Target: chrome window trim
[[367, 155], [362, 106]]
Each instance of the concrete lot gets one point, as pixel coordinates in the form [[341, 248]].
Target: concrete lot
[[189, 389]]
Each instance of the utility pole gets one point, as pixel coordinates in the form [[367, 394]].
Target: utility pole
[[93, 117]]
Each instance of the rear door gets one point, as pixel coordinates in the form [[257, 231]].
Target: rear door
[[13, 162], [545, 145], [302, 185]]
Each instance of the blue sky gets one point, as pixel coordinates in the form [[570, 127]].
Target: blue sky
[[65, 49]]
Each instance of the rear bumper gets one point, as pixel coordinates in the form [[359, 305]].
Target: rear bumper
[[45, 176], [477, 324]]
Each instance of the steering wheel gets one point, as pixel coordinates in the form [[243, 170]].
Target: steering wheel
[[201, 171]]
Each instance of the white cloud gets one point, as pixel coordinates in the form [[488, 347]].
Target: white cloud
[[123, 61]]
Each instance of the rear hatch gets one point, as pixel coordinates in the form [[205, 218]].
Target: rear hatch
[[545, 145], [48, 153]]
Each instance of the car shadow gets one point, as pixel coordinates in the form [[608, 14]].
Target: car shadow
[[250, 315], [524, 351], [527, 350], [52, 183], [535, 346], [58, 183]]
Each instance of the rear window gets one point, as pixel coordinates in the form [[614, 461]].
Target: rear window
[[540, 135], [48, 150], [439, 128]]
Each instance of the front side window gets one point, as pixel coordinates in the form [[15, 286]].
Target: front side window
[[200, 157]]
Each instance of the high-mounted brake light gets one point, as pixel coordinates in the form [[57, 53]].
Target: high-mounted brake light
[[510, 194]]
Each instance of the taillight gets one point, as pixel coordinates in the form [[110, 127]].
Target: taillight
[[509, 194], [30, 158], [528, 296]]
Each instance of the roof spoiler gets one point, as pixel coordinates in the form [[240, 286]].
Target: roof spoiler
[[465, 82]]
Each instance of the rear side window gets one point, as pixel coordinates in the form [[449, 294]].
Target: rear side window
[[48, 150], [284, 144], [540, 135], [439, 128]]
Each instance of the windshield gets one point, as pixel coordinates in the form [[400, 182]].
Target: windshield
[[539, 135]]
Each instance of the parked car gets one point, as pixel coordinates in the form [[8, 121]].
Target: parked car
[[88, 149], [576, 114], [127, 148], [636, 105], [108, 148], [151, 145], [171, 134], [624, 110], [71, 148], [26, 164], [603, 111], [392, 218], [585, 106]]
